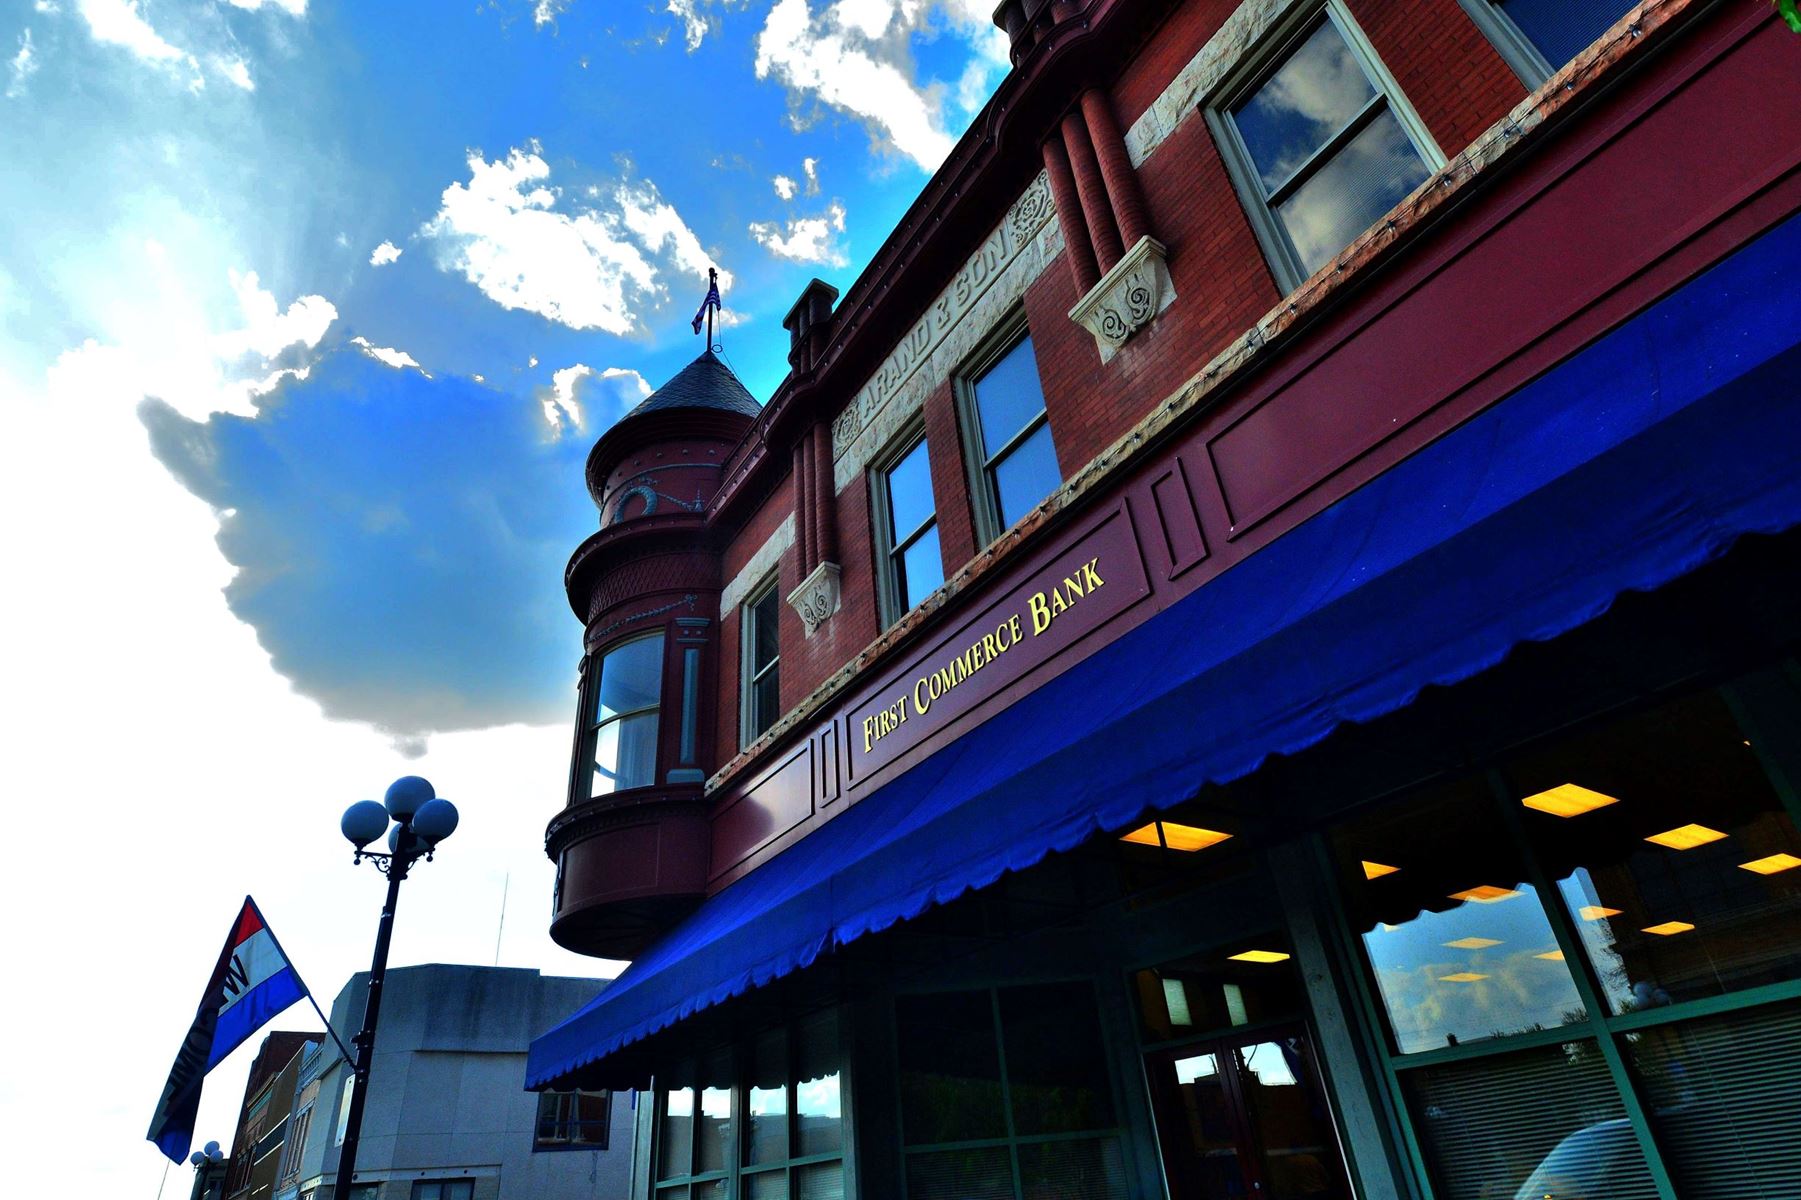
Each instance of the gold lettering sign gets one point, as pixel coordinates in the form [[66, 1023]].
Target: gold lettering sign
[[1041, 611]]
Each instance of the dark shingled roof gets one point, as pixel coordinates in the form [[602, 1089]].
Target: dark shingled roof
[[704, 383]]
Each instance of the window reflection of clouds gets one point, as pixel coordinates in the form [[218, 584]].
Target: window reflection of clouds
[[818, 1097], [1372, 173], [1519, 991], [1310, 98], [1266, 1061]]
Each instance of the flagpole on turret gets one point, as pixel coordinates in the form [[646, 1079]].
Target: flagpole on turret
[[708, 306]]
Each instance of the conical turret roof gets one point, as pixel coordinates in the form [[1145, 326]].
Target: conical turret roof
[[704, 383]]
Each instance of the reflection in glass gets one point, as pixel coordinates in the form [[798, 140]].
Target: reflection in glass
[[1212, 991], [1195, 1125], [1721, 1096], [1541, 1122], [762, 666], [1016, 449], [1056, 1065], [820, 1181], [766, 1185], [1372, 173], [1285, 1104], [1683, 916], [712, 1129], [676, 1138], [1089, 1169], [950, 1073], [624, 716], [766, 1102], [1459, 942], [818, 1110], [916, 568], [1328, 152], [1562, 29], [978, 1174]]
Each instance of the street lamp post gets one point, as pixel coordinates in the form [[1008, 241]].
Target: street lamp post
[[420, 822]]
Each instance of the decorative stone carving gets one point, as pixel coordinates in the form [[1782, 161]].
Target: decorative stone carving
[[1127, 297], [817, 596]]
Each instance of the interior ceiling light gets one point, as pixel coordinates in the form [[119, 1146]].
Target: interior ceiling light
[[1568, 800], [1259, 956], [1551, 956], [1669, 928], [1175, 837], [1461, 977], [1485, 894], [1376, 870], [1686, 837], [1473, 943], [1594, 912], [1772, 864]]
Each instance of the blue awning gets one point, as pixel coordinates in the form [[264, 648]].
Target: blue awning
[[1642, 457]]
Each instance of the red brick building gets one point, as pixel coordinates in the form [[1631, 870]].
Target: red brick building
[[1253, 653]]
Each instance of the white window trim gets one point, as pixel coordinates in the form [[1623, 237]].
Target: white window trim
[[746, 707], [984, 494], [1510, 42], [1252, 73]]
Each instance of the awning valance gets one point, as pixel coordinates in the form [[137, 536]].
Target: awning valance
[[1630, 464]]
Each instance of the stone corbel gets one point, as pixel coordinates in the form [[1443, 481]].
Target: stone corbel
[[817, 596], [1127, 298]]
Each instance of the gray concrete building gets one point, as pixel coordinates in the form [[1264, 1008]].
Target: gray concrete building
[[448, 1116]]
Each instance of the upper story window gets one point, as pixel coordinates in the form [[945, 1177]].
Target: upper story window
[[1537, 37], [1320, 143], [762, 658], [910, 565], [576, 1120], [1013, 463], [443, 1189], [621, 726]]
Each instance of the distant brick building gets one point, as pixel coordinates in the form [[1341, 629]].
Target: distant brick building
[[265, 1118], [1252, 654]]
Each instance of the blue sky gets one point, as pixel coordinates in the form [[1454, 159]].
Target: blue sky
[[309, 311]]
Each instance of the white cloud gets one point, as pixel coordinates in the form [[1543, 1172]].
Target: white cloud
[[856, 56], [572, 388], [196, 370], [294, 8], [386, 354], [810, 168], [47, 6], [120, 23], [805, 239], [784, 187], [384, 254], [589, 268], [694, 22], [236, 71], [22, 67], [546, 11]]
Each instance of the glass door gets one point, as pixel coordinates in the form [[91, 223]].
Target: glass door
[[1246, 1116]]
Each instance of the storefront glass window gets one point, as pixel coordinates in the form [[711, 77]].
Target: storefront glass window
[[1680, 871], [1023, 1067], [818, 1103], [1461, 947], [1214, 991], [1541, 1122], [766, 1104]]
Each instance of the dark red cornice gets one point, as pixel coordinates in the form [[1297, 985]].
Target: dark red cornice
[[633, 432], [958, 207], [627, 541]]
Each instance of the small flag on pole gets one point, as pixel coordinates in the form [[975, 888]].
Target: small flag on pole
[[251, 985], [711, 303]]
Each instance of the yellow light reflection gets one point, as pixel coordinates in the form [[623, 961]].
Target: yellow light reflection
[[1669, 928], [1144, 835], [1191, 837], [1376, 870], [1485, 894], [1772, 864], [1686, 837], [1259, 956], [1551, 956], [1568, 800], [1473, 943], [1594, 912], [1461, 977], [1176, 837]]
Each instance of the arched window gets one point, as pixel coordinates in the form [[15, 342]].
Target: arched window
[[620, 721]]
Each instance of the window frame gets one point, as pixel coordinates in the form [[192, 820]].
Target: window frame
[[441, 1184], [748, 732], [984, 491], [1510, 41], [1259, 65], [581, 782], [891, 600], [567, 1140]]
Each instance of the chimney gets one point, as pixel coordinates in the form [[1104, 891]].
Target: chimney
[[809, 324]]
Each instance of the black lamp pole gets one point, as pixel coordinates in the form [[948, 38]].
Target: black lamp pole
[[422, 821]]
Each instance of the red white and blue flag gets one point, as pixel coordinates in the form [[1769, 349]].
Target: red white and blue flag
[[712, 301], [251, 985]]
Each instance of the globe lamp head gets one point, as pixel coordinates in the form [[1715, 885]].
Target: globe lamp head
[[435, 821], [406, 794], [363, 822]]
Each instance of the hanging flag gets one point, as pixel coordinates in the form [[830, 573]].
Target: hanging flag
[[251, 985], [712, 300]]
